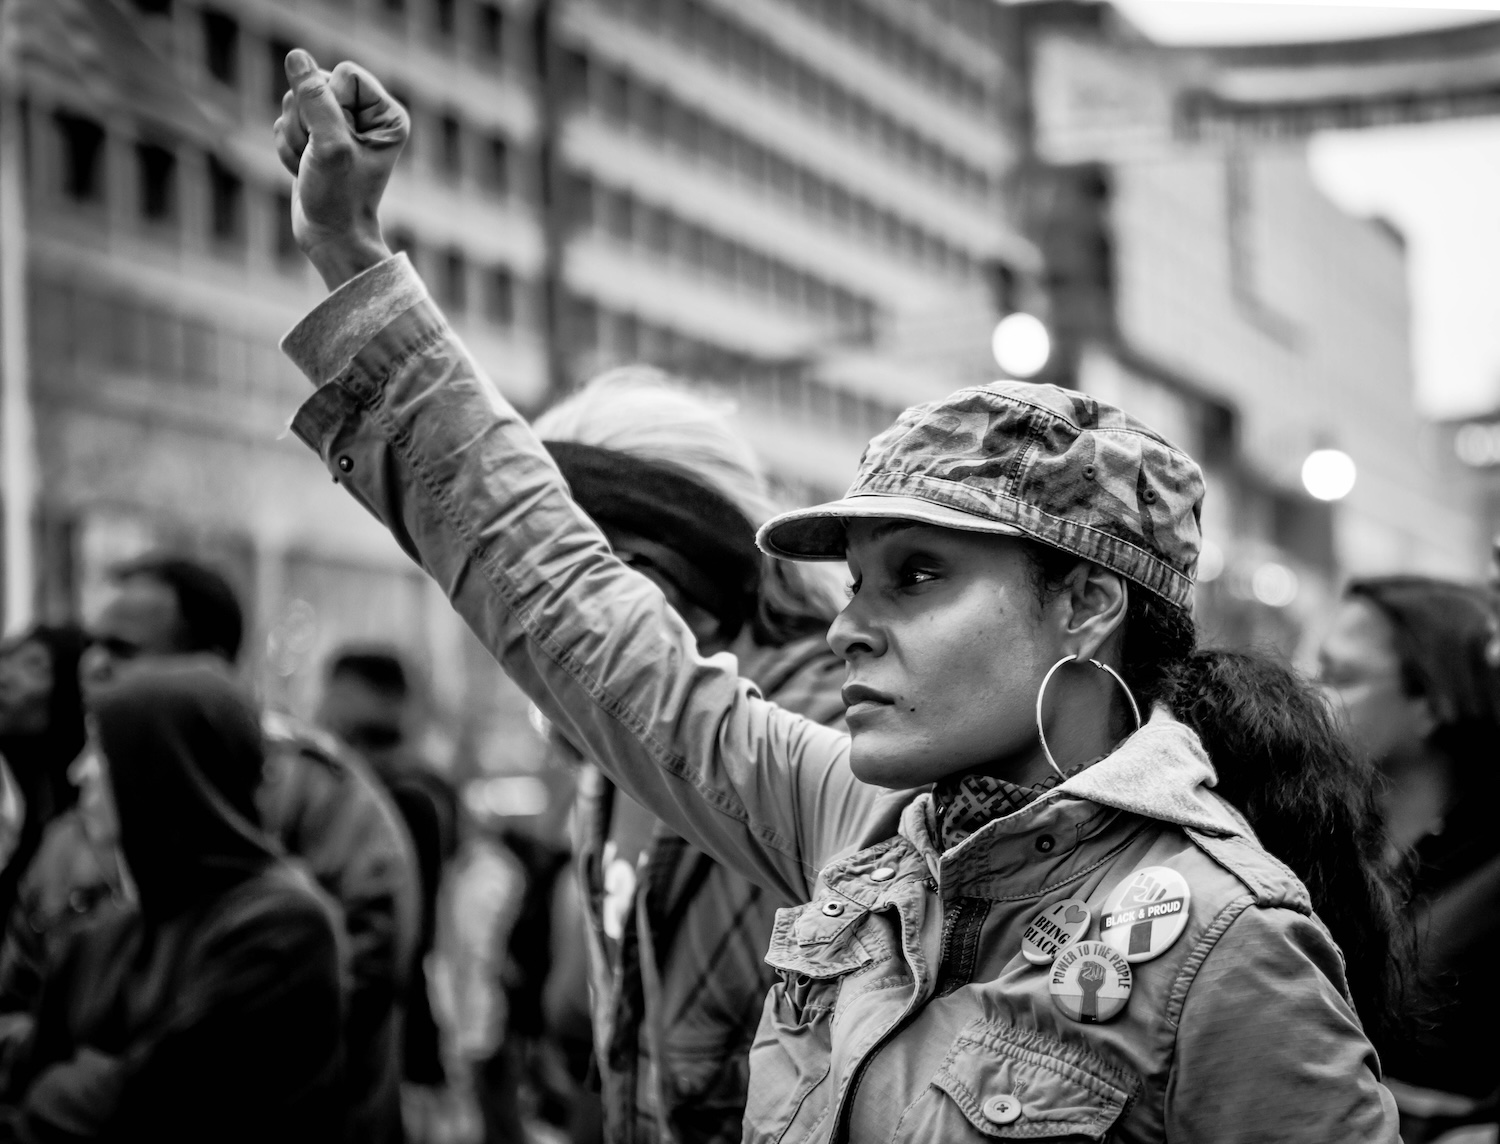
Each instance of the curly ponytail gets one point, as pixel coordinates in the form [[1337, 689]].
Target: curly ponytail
[[1284, 764]]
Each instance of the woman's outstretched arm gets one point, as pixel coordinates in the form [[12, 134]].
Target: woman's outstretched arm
[[405, 420]]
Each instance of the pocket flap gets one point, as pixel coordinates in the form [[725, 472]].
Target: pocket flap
[[1016, 1084], [814, 948]]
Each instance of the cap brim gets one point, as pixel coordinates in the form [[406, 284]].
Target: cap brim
[[818, 533]]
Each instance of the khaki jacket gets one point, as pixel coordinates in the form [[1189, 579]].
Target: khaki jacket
[[903, 1010]]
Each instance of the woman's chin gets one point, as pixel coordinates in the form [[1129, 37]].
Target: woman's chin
[[881, 764]]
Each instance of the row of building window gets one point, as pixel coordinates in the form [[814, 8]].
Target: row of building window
[[83, 178], [735, 46], [898, 48], [660, 233], [79, 324], [483, 27], [626, 101], [463, 289], [603, 336]]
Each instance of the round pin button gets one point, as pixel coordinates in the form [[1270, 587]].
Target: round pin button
[[1146, 913], [1003, 1108], [833, 909], [882, 874], [1053, 930], [1090, 982]]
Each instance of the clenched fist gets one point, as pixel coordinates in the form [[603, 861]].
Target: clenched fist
[[339, 134]]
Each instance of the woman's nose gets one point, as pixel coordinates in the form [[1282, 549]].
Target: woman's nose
[[852, 634]]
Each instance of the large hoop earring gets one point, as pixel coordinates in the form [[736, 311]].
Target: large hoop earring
[[1042, 694]]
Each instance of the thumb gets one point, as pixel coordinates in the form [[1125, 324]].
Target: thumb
[[317, 106]]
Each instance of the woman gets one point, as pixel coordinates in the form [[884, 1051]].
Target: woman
[[947, 978], [1414, 666], [41, 733], [211, 1009]]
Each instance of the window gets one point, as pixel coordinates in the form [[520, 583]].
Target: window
[[221, 43], [157, 169], [226, 192], [495, 175], [82, 157], [278, 52], [655, 228], [499, 297], [454, 282], [617, 209], [286, 239], [491, 31], [578, 200], [450, 155]]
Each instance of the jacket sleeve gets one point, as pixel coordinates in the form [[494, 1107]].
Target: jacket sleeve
[[1268, 1046], [421, 438]]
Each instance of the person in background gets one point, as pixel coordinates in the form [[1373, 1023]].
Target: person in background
[[210, 1007], [372, 704], [677, 940], [41, 733], [315, 799], [1413, 665]]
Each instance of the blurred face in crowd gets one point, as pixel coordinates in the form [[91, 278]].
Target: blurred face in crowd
[[96, 800], [945, 646], [648, 559], [140, 619], [1360, 671], [372, 721], [25, 688]]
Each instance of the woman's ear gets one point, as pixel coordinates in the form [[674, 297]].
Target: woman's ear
[[1097, 600]]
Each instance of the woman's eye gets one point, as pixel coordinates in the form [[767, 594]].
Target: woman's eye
[[916, 574]]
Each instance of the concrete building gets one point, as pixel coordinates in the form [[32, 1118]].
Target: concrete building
[[801, 203], [1201, 278]]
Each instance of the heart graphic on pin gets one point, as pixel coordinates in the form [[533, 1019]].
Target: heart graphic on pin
[[1053, 930]]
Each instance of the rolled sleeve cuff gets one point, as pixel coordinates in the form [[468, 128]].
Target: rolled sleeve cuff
[[324, 343]]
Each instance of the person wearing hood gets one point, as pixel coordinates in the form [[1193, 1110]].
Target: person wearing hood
[[41, 733], [1072, 933], [211, 1006], [317, 800]]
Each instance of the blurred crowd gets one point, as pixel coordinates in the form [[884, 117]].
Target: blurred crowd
[[216, 914]]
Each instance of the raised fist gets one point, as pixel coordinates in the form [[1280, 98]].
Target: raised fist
[[1091, 978], [339, 134]]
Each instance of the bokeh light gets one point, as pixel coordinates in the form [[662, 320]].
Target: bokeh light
[[1328, 474], [1021, 345]]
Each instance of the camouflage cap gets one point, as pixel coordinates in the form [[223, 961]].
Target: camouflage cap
[[1017, 459]]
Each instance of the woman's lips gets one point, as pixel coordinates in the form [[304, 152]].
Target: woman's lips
[[861, 700]]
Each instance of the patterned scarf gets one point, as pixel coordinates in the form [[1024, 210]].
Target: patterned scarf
[[967, 802]]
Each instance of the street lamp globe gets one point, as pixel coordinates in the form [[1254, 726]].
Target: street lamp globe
[[1021, 345], [1328, 474]]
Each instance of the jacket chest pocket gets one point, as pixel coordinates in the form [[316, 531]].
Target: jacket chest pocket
[[1000, 1082], [813, 947], [814, 950]]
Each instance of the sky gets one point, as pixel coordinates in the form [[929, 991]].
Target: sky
[[1439, 183]]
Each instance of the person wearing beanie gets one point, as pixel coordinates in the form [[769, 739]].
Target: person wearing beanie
[[677, 494], [1072, 933]]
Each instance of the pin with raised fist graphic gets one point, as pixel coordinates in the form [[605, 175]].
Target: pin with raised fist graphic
[[1146, 913], [1090, 982]]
